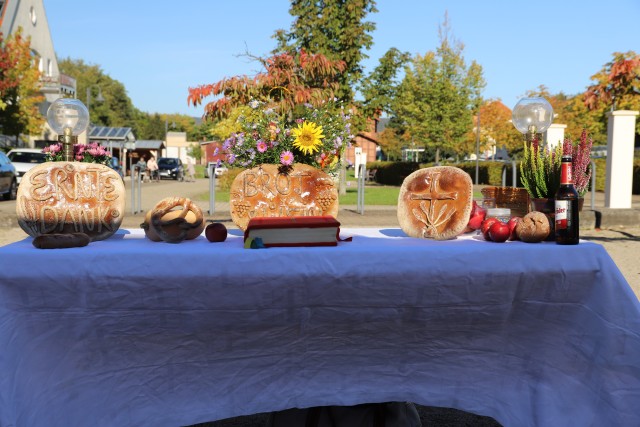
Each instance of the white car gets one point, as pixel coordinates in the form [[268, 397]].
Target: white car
[[24, 159], [218, 171]]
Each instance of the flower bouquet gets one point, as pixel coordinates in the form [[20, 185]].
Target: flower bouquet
[[291, 160], [87, 153], [316, 136]]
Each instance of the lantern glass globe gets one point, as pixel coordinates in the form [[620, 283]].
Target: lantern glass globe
[[533, 115], [68, 113]]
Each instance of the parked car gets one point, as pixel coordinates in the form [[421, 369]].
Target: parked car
[[24, 159], [171, 167], [218, 171], [8, 178]]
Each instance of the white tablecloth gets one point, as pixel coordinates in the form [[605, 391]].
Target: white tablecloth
[[126, 332]]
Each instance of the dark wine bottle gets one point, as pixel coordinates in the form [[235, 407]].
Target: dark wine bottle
[[567, 220]]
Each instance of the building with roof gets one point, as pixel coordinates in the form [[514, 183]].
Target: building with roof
[[31, 17], [365, 143], [119, 141]]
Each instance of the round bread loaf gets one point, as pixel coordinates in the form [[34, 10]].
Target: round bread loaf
[[435, 202], [534, 227]]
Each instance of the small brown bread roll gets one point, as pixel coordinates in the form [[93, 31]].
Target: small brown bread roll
[[533, 228], [61, 241]]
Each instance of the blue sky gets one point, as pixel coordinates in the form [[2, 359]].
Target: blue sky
[[158, 49]]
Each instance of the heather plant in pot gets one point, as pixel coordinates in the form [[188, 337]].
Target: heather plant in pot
[[540, 169], [581, 161]]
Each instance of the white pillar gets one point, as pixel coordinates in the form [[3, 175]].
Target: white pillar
[[621, 132], [555, 135]]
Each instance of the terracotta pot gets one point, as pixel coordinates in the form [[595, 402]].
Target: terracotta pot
[[547, 207]]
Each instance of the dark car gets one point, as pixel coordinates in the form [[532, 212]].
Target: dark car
[[8, 178], [171, 167]]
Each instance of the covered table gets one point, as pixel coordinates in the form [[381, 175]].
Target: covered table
[[128, 332]]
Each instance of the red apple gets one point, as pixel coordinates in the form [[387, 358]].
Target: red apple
[[475, 218], [216, 232], [513, 222], [475, 222], [486, 225], [499, 232]]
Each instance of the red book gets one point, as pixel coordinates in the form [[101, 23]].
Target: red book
[[294, 231]]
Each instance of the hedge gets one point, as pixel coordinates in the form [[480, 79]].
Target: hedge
[[489, 173]]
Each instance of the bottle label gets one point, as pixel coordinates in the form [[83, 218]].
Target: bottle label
[[565, 173], [562, 214]]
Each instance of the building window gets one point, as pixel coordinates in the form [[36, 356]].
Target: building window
[[49, 67], [33, 16]]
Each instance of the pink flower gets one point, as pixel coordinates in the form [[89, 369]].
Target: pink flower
[[262, 146], [286, 158]]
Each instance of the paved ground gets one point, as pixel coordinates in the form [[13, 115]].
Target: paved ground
[[619, 234]]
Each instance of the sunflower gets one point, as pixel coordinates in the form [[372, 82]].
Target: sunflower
[[308, 137]]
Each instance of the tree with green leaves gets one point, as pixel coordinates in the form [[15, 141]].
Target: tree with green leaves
[[19, 87], [438, 97], [195, 151], [391, 143], [379, 89], [116, 109], [336, 29]]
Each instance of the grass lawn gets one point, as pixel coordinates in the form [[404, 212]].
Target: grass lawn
[[373, 195]]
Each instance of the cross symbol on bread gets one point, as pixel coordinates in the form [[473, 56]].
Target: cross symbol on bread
[[433, 192]]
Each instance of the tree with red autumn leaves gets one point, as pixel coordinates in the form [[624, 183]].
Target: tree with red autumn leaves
[[19, 87], [288, 80], [619, 78]]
